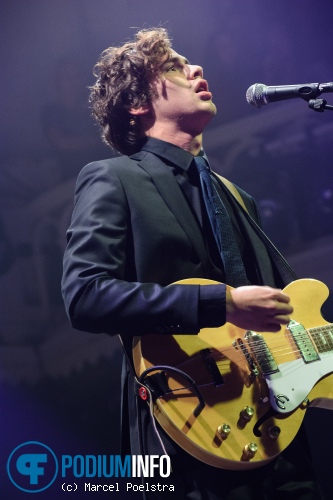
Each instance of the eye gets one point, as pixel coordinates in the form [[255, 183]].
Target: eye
[[171, 68]]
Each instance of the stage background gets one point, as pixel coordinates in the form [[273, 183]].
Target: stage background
[[59, 386]]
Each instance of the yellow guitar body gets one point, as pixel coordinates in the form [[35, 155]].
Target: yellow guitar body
[[256, 389]]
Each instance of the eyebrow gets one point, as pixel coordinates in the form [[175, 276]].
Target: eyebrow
[[177, 59]]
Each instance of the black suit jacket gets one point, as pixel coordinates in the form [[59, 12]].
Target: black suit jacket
[[132, 234]]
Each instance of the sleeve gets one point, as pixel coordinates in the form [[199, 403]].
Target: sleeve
[[212, 306], [97, 293]]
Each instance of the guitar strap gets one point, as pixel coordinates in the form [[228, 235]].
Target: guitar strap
[[286, 272]]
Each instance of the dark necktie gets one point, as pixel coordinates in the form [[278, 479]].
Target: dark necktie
[[222, 227]]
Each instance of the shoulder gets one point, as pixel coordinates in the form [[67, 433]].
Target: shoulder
[[242, 197], [109, 168], [108, 164], [119, 163], [246, 196], [122, 172], [249, 202]]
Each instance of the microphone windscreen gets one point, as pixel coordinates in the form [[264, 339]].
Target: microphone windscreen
[[255, 95]]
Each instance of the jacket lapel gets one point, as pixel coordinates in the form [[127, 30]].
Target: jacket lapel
[[170, 191]]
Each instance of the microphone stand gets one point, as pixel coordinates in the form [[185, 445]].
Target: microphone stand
[[319, 105]]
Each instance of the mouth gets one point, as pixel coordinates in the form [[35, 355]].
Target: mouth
[[202, 89], [202, 86]]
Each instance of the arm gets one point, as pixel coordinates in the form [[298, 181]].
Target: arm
[[99, 285]]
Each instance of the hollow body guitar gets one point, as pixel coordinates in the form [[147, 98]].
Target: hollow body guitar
[[254, 388]]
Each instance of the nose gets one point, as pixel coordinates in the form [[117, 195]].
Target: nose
[[195, 71]]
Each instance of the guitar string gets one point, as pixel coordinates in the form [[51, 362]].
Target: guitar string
[[237, 353], [315, 335], [264, 356], [224, 361], [267, 351]]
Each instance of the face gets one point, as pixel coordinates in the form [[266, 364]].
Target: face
[[182, 96]]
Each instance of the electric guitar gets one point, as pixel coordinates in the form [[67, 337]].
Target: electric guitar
[[235, 399]]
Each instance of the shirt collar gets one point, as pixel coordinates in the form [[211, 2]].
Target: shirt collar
[[170, 152]]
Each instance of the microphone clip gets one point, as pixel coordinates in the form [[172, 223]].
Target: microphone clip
[[319, 105]]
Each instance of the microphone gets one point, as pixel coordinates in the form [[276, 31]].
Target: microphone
[[259, 94]]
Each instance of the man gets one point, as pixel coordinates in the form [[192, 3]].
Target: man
[[140, 223]]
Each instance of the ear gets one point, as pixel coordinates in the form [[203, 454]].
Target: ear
[[143, 110]]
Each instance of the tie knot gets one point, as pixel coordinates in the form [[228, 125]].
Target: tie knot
[[201, 163]]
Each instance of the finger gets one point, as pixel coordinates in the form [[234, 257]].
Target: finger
[[283, 307], [282, 319], [273, 328], [287, 309], [283, 297], [269, 327]]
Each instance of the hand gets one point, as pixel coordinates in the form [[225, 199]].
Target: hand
[[258, 308]]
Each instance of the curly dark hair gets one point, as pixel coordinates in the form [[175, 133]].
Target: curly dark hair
[[124, 75]]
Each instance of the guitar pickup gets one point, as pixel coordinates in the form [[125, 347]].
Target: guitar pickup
[[262, 353], [212, 367], [303, 342]]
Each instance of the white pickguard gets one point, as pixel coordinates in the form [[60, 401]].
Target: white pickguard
[[290, 386]]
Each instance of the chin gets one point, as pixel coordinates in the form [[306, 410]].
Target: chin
[[214, 109], [211, 112]]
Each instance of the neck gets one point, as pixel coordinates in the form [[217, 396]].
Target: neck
[[191, 144], [184, 133]]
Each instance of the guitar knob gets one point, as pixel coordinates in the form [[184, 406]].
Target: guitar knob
[[224, 430], [274, 432], [250, 450], [245, 416], [247, 413]]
